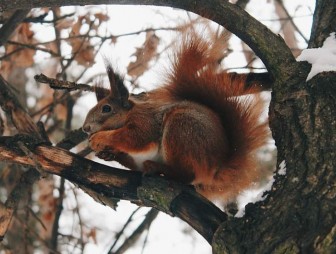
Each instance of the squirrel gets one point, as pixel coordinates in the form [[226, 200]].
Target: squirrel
[[196, 128]]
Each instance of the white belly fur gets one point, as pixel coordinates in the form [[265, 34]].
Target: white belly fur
[[141, 157]]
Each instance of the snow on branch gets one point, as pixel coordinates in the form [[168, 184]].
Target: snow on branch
[[322, 59]]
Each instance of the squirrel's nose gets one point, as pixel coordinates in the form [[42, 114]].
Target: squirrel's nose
[[86, 128]]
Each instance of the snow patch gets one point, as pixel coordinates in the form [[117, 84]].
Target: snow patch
[[252, 196], [256, 195], [282, 168], [295, 180], [322, 59]]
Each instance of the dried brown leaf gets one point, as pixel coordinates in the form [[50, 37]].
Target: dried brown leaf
[[93, 234], [114, 39], [81, 46], [76, 27], [65, 23], [60, 110], [23, 57], [144, 55], [85, 55], [47, 203], [101, 17], [6, 68]]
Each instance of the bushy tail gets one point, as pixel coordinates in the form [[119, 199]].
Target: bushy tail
[[194, 77]]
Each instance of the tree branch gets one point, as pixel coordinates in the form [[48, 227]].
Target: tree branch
[[29, 46], [149, 218], [6, 211], [106, 183], [122, 231], [324, 22], [15, 111], [61, 84], [8, 28]]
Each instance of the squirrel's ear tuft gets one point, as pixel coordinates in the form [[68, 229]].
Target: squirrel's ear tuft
[[118, 89], [100, 91], [112, 78]]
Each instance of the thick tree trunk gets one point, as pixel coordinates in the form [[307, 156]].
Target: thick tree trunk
[[298, 216]]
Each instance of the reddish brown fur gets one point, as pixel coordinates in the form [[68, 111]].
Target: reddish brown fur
[[195, 129]]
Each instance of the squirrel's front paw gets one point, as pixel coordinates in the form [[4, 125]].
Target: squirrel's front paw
[[106, 155], [97, 142]]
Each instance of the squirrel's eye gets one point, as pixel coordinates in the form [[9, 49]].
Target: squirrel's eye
[[106, 109]]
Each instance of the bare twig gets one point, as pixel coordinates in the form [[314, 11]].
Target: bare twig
[[150, 217], [80, 221], [121, 232], [290, 19], [61, 84], [41, 18], [58, 213], [58, 43], [145, 242], [38, 19], [26, 242], [34, 47], [37, 218], [11, 53]]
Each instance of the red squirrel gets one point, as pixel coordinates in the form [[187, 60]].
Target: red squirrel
[[196, 129]]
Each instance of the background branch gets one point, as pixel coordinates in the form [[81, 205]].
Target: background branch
[[145, 224], [278, 58], [324, 22], [25, 124], [8, 28], [14, 110], [20, 190]]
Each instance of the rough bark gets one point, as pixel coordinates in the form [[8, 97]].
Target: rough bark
[[298, 216], [324, 22], [106, 184]]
